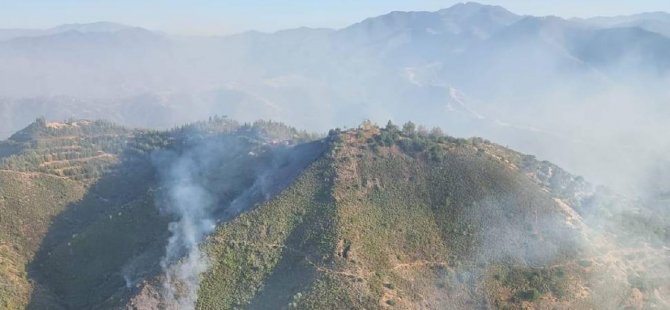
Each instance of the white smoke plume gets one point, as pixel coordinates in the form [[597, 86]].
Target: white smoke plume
[[211, 179], [192, 206]]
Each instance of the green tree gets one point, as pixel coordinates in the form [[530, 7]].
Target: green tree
[[391, 127], [41, 121], [409, 128]]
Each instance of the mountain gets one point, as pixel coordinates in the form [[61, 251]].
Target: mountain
[[542, 85], [91, 27], [98, 27], [411, 37], [7, 34], [658, 22], [485, 51], [132, 61], [66, 62], [219, 214], [83, 177]]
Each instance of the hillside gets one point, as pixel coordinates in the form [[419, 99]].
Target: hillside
[[221, 215], [75, 193], [44, 169], [409, 220]]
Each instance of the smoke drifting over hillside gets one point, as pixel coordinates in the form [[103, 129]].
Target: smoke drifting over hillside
[[191, 205], [208, 181], [588, 95], [188, 197]]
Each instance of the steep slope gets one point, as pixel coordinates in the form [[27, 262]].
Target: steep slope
[[404, 220], [28, 202], [388, 227], [44, 169]]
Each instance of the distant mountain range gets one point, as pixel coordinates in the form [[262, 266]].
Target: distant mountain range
[[98, 27], [520, 74], [117, 60]]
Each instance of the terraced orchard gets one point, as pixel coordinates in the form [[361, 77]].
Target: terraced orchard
[[368, 218], [79, 150]]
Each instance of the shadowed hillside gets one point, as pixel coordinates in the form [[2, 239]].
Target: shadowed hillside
[[79, 201]]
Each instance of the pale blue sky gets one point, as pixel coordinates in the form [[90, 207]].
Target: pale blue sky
[[229, 16]]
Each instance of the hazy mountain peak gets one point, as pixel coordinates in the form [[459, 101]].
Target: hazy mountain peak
[[471, 8], [471, 19], [92, 27], [95, 27]]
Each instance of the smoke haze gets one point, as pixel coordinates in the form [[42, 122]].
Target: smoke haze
[[590, 95], [575, 92], [191, 205]]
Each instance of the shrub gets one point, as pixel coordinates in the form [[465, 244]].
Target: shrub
[[529, 295]]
